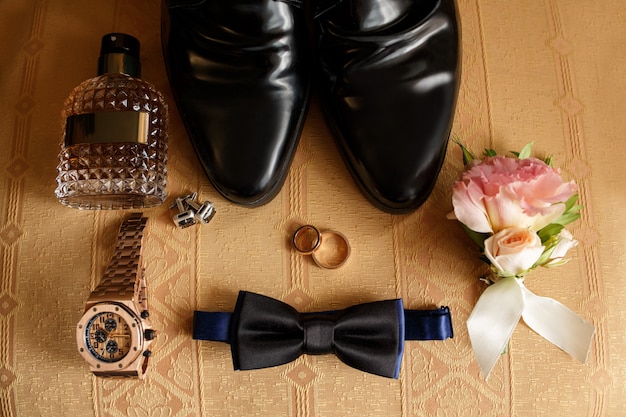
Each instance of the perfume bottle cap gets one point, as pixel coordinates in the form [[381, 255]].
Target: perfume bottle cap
[[119, 53]]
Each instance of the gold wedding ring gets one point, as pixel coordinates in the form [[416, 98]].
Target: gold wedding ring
[[306, 239], [329, 249]]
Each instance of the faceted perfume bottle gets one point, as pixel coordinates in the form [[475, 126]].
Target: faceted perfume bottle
[[114, 150]]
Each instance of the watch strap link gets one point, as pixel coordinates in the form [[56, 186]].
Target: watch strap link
[[124, 278]]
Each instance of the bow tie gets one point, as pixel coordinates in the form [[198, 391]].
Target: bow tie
[[265, 332]]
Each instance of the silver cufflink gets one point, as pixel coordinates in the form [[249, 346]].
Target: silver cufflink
[[191, 212], [203, 213]]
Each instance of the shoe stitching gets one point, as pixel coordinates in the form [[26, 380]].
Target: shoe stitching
[[174, 4], [295, 3], [324, 6]]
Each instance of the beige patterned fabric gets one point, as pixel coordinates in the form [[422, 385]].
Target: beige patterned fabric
[[548, 71]]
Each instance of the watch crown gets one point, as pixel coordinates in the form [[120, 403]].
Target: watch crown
[[149, 334]]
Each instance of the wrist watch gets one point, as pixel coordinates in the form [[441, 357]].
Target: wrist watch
[[114, 335]]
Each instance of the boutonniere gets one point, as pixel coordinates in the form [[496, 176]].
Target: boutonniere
[[515, 208]]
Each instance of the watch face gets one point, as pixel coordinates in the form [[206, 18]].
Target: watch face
[[109, 337]]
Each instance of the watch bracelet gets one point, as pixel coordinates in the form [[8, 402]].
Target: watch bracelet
[[124, 277]]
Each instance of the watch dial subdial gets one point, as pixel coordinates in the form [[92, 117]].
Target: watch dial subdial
[[100, 336], [110, 324], [111, 347]]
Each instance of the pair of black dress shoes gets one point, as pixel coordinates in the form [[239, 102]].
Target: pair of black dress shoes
[[241, 72]]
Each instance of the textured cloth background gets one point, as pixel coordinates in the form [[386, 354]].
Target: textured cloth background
[[549, 71]]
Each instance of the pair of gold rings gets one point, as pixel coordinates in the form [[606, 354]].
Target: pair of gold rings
[[329, 249]]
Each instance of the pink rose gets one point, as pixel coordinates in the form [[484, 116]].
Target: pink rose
[[501, 192], [513, 251]]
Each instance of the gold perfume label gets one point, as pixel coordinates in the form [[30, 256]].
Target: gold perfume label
[[107, 127]]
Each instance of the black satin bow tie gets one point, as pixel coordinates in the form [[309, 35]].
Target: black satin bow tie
[[265, 332]]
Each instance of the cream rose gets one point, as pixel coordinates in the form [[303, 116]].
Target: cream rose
[[513, 251]]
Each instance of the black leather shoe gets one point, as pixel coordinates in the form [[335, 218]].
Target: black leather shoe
[[389, 78], [239, 72]]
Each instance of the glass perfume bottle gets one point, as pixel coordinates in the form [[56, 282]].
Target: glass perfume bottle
[[114, 150]]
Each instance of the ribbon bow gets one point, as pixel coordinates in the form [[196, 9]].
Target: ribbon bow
[[265, 332], [499, 309]]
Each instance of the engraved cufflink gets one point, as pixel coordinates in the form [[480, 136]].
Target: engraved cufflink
[[185, 217], [191, 212], [203, 213]]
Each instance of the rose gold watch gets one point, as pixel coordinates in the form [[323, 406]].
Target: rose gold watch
[[114, 335]]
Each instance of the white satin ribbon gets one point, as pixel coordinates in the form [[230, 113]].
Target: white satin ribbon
[[498, 311]]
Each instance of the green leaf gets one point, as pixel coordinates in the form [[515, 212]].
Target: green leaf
[[478, 238], [571, 212], [550, 230], [567, 218], [548, 160], [526, 151], [468, 156], [489, 152], [485, 259], [554, 264], [545, 256], [569, 204]]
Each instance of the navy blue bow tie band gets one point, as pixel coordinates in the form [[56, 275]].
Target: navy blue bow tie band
[[265, 332]]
